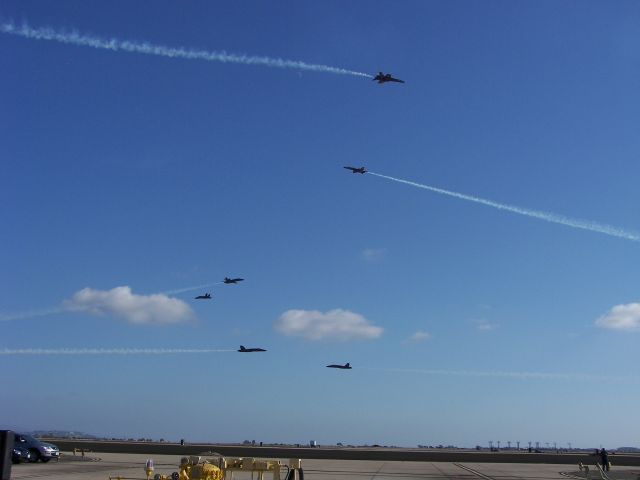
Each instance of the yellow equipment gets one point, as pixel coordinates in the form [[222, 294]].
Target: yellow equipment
[[221, 468], [148, 468], [194, 468]]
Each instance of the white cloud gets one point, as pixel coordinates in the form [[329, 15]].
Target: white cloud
[[484, 326], [335, 324], [420, 336], [373, 254], [624, 317], [121, 302]]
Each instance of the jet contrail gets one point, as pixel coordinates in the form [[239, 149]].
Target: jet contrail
[[55, 310], [189, 289], [113, 44], [108, 351], [31, 314], [546, 216], [503, 374]]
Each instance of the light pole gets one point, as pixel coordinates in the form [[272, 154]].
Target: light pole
[[518, 444]]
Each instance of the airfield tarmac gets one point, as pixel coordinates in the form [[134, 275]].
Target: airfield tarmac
[[131, 466]]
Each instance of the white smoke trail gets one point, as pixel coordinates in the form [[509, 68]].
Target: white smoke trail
[[113, 44], [189, 289], [546, 216], [109, 351], [55, 310], [31, 314], [503, 374]]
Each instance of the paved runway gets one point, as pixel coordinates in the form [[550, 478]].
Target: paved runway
[[132, 466]]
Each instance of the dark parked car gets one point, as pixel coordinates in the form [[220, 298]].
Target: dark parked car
[[39, 450], [20, 454]]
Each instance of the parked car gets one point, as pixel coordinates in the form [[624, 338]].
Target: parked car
[[20, 454], [39, 450]]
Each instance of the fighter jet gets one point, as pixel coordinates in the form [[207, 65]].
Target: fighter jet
[[228, 280], [249, 350], [386, 77], [356, 170], [206, 296], [346, 366]]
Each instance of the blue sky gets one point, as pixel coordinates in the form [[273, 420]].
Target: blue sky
[[127, 170]]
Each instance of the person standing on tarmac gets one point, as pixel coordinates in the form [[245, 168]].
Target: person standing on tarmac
[[604, 457]]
